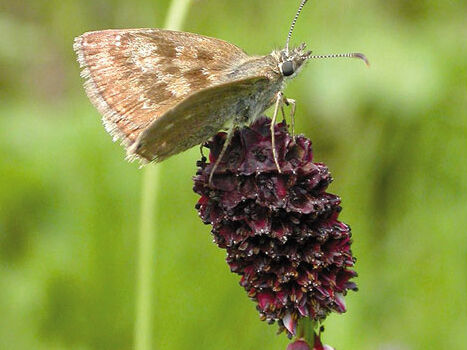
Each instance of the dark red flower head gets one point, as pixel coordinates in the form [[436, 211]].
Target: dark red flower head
[[280, 230]]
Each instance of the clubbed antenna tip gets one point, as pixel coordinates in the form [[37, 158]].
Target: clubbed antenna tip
[[363, 58], [344, 55]]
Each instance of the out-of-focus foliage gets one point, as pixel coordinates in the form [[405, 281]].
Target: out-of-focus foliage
[[394, 137]]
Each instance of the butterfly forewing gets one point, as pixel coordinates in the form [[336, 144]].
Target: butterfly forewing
[[136, 76]]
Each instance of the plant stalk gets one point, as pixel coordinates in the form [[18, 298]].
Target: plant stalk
[[306, 330], [148, 229]]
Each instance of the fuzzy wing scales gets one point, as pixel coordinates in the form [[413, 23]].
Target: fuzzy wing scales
[[135, 76]]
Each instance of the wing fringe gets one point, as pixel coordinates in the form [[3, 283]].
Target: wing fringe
[[109, 116]]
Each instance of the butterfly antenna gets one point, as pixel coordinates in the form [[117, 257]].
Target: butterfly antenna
[[293, 25], [344, 55]]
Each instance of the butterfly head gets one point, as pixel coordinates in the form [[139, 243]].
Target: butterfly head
[[291, 61]]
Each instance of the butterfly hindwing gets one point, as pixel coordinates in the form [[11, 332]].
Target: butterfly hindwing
[[135, 76], [196, 118]]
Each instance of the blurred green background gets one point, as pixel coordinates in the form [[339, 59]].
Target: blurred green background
[[394, 137]]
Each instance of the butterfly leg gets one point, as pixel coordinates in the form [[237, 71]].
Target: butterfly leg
[[279, 102], [201, 150], [230, 134], [283, 113], [292, 103]]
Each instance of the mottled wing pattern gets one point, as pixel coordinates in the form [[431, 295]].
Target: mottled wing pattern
[[196, 118], [135, 76]]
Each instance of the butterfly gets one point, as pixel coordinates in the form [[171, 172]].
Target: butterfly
[[161, 92]]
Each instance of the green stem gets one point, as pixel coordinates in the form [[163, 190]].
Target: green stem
[[177, 14], [306, 330], [147, 236], [148, 229]]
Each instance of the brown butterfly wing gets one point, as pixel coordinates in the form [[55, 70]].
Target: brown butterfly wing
[[196, 118], [135, 76]]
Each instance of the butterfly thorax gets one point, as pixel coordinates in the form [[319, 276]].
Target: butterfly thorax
[[256, 66], [250, 106], [277, 67]]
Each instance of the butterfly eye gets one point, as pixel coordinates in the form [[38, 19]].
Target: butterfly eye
[[287, 68]]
